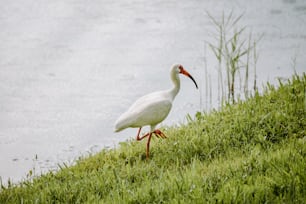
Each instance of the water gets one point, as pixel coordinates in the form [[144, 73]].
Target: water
[[68, 69]]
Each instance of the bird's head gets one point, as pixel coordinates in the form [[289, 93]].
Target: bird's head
[[179, 69]]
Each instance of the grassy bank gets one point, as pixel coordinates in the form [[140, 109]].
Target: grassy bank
[[250, 152]]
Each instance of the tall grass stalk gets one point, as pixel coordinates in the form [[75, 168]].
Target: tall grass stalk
[[210, 91], [246, 78], [233, 53], [206, 74], [255, 58], [217, 50]]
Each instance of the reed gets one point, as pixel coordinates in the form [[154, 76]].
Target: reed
[[234, 52]]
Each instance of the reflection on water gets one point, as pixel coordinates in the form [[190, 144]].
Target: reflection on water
[[69, 69]]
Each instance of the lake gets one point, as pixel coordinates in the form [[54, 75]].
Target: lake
[[68, 69]]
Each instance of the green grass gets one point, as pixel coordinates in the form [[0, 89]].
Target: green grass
[[249, 152]]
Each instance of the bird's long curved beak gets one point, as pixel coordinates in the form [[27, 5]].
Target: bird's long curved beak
[[183, 71]]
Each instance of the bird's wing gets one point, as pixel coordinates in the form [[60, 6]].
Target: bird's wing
[[150, 109], [155, 96], [150, 113]]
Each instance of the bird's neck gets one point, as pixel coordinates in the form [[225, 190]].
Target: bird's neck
[[177, 84]]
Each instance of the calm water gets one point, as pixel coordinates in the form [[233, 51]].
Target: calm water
[[68, 69]]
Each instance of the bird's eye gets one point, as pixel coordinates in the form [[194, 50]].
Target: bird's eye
[[180, 68]]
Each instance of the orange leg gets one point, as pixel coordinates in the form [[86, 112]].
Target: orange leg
[[137, 137], [148, 146], [140, 138], [158, 134]]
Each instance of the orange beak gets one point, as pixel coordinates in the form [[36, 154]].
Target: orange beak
[[183, 71]]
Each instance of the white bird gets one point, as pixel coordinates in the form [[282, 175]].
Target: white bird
[[153, 108]]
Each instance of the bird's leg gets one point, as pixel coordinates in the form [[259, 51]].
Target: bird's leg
[[159, 134], [140, 138], [146, 135], [148, 144], [137, 137]]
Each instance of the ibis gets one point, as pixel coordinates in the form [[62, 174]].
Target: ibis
[[152, 109]]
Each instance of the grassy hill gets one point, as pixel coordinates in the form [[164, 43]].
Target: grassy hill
[[250, 152]]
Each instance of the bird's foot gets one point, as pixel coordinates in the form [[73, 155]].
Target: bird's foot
[[142, 137], [159, 134]]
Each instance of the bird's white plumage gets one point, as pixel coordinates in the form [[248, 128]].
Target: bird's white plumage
[[150, 109], [153, 108]]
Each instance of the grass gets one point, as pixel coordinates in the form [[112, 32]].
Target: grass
[[249, 152], [235, 54]]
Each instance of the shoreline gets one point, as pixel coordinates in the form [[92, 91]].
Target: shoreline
[[249, 151]]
